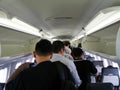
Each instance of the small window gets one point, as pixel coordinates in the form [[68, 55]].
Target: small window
[[105, 62], [28, 60], [3, 75], [17, 65], [115, 64], [98, 58]]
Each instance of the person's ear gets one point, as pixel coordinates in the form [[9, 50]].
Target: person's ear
[[34, 54], [51, 55], [61, 51]]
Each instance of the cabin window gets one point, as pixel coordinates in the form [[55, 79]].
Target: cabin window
[[17, 65], [105, 62], [3, 75]]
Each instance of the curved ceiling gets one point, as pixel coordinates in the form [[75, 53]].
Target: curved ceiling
[[64, 19]]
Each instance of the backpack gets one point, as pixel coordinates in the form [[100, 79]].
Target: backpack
[[66, 79]]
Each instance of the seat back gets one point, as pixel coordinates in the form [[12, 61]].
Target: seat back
[[98, 63], [2, 86], [99, 66], [100, 86], [110, 75], [112, 70], [112, 79]]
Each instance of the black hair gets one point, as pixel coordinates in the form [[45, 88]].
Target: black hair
[[80, 45], [77, 52], [57, 46], [43, 47], [66, 43]]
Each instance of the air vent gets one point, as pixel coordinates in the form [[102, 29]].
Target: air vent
[[66, 18], [58, 18]]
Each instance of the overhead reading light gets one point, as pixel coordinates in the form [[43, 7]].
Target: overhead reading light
[[102, 19]]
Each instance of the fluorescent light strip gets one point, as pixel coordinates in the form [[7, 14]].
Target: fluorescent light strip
[[102, 19], [78, 37], [24, 27], [97, 20], [108, 20], [19, 27]]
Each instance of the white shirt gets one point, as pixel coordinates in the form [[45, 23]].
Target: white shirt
[[70, 65], [68, 56], [67, 50]]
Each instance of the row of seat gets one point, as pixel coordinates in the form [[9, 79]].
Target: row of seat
[[100, 86], [2, 86], [107, 74]]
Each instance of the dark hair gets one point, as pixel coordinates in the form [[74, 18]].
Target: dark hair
[[80, 45], [66, 43], [57, 46], [77, 52], [43, 47]]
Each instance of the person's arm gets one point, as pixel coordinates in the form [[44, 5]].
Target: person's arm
[[75, 75], [18, 70], [16, 83], [92, 68]]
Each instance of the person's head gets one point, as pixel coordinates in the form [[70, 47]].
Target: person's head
[[66, 43], [80, 45], [58, 47], [43, 49], [78, 53]]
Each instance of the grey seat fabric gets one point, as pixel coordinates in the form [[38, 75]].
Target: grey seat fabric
[[100, 86]]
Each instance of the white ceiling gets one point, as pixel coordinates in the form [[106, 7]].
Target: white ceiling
[[62, 18]]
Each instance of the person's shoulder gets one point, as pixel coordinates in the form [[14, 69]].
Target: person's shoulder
[[88, 61]]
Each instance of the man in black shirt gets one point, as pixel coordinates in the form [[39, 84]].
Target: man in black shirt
[[84, 67], [43, 76]]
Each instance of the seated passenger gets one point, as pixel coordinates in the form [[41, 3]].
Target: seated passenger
[[84, 68], [59, 50], [43, 76]]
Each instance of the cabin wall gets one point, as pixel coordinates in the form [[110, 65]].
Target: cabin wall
[[103, 41], [13, 48], [118, 44], [93, 44], [101, 46], [0, 49], [110, 48]]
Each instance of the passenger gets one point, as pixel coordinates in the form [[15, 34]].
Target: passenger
[[21, 68], [18, 70], [80, 45], [84, 68], [67, 47], [67, 53], [59, 50], [43, 76], [110, 66]]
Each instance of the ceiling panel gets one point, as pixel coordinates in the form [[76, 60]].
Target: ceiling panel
[[52, 15]]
